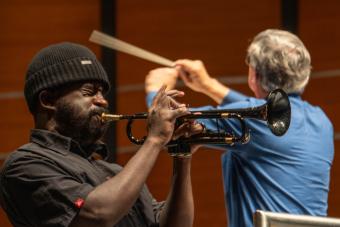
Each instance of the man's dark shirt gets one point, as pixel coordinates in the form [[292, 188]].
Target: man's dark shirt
[[45, 183]]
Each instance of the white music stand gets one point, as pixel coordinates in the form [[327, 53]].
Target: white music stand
[[271, 219]]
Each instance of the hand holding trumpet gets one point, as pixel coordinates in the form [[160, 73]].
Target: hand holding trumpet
[[162, 115]]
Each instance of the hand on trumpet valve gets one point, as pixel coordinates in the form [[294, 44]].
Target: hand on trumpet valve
[[186, 130], [163, 114]]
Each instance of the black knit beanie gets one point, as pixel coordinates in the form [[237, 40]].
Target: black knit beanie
[[61, 64]]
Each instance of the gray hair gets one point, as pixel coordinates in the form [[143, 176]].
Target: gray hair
[[280, 60]]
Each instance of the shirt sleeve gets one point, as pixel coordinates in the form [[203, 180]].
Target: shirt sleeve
[[233, 96], [43, 192], [157, 208], [149, 98]]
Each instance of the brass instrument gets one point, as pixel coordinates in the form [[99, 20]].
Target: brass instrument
[[276, 112]]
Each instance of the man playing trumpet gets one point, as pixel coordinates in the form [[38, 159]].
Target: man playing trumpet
[[54, 180]]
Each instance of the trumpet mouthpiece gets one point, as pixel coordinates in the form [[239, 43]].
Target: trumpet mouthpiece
[[110, 117]]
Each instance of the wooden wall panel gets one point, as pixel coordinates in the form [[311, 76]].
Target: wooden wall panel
[[334, 198], [26, 27], [15, 124], [4, 222], [217, 32], [323, 93], [319, 29]]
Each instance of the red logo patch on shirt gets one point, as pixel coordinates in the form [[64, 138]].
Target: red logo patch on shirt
[[79, 203]]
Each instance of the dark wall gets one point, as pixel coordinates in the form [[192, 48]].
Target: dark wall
[[216, 32], [320, 30], [26, 27]]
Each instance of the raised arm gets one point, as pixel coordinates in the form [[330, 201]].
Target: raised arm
[[179, 208], [110, 201], [196, 77]]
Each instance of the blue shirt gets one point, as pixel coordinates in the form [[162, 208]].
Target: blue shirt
[[281, 174]]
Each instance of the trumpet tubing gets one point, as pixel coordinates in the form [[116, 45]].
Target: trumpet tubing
[[276, 112]]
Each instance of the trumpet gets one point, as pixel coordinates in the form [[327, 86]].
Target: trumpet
[[276, 112]]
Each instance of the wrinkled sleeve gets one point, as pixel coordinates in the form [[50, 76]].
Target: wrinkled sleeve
[[42, 191], [157, 208], [233, 96]]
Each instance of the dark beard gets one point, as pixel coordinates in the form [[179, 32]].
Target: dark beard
[[85, 128]]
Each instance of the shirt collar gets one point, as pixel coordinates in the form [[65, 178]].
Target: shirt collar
[[64, 145], [294, 95]]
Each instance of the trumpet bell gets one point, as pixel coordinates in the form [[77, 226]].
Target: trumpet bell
[[278, 112]]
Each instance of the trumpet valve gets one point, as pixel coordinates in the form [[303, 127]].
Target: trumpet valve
[[225, 115]]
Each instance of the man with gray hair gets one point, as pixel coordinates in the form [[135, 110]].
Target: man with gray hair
[[282, 174]]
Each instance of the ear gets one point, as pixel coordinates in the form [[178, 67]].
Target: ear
[[252, 83], [47, 100]]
